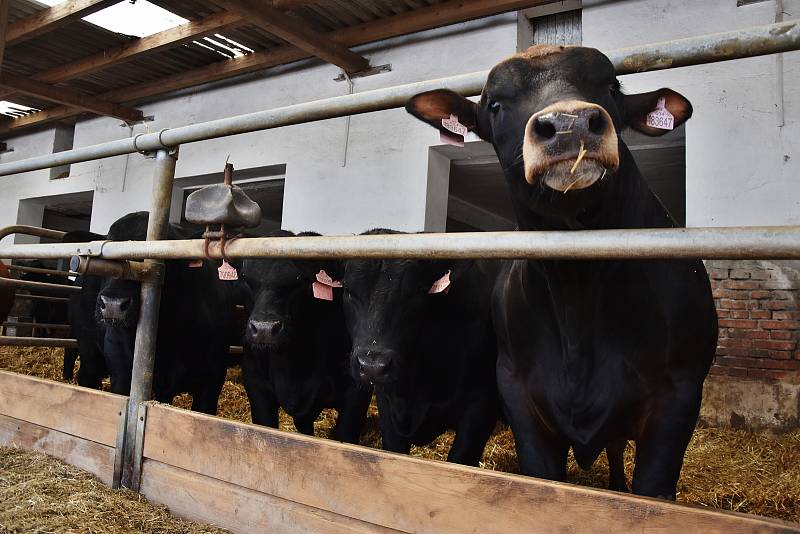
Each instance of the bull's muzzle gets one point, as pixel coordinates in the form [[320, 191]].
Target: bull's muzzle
[[570, 145], [114, 308]]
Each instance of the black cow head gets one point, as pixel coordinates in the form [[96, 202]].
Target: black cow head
[[385, 304], [554, 114], [118, 300], [278, 293]]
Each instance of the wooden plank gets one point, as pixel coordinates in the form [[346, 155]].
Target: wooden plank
[[49, 19], [411, 494], [85, 413], [417, 20], [289, 5], [69, 97], [200, 498], [82, 453], [294, 31]]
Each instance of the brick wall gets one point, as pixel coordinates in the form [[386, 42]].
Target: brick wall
[[759, 319]]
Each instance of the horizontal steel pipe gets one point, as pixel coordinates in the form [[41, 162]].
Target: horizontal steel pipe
[[42, 286], [767, 242], [119, 269], [42, 298], [31, 230], [39, 325], [756, 41], [38, 342], [38, 270]]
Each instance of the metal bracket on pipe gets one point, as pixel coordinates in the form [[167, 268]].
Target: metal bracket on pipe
[[372, 71], [93, 248], [172, 150], [118, 269], [119, 446]]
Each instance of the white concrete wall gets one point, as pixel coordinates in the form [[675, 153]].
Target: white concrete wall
[[742, 169]]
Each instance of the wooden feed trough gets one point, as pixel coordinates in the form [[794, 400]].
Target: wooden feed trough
[[249, 478]]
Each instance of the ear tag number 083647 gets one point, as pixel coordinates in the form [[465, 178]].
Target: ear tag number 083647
[[660, 117], [456, 138]]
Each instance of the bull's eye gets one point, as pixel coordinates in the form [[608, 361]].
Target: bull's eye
[[494, 106]]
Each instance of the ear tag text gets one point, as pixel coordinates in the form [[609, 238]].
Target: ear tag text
[[227, 271], [455, 131], [660, 117], [323, 287]]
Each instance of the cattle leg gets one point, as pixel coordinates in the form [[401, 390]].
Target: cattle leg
[[263, 408], [391, 439], [304, 425], [352, 413], [540, 454], [615, 453], [70, 357], [660, 449], [472, 433], [206, 399]]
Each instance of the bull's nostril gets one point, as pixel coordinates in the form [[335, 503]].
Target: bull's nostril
[[124, 304], [276, 328], [544, 129], [597, 124], [102, 303], [253, 328]]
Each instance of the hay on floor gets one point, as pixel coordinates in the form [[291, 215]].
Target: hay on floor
[[723, 468], [39, 493]]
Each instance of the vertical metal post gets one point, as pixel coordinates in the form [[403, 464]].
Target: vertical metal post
[[147, 329]]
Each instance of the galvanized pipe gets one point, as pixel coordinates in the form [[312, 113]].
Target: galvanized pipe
[[31, 230], [38, 342], [756, 242], [147, 327], [45, 326], [42, 298], [28, 284], [38, 270], [119, 269], [755, 41]]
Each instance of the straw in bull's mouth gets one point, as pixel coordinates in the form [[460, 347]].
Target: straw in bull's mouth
[[581, 153]]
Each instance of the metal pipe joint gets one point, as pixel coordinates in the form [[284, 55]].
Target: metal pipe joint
[[119, 269]]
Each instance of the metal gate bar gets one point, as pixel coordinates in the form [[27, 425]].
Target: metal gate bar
[[757, 242], [749, 42]]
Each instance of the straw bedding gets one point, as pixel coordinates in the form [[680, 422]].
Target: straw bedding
[[724, 468]]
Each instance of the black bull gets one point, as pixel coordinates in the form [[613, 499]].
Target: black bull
[[195, 327], [590, 352]]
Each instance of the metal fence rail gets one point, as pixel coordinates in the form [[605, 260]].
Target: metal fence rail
[[765, 242], [749, 42]]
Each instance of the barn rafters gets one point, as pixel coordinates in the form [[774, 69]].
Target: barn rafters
[[101, 82]]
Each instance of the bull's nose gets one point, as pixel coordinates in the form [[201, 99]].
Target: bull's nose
[[374, 368], [263, 331], [564, 131], [114, 307]]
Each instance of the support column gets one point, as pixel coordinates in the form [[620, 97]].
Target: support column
[[147, 328]]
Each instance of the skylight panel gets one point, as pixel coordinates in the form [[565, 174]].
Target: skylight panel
[[12, 109], [139, 19]]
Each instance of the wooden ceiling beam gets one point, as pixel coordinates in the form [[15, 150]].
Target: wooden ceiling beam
[[451, 12], [51, 18], [3, 27], [294, 31], [290, 5], [69, 97]]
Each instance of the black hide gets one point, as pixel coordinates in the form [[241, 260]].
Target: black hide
[[296, 349]]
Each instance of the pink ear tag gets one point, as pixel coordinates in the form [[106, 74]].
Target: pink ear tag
[[227, 271], [442, 285], [456, 138], [194, 264], [660, 117], [323, 287]]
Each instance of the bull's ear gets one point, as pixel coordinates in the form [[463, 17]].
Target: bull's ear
[[638, 107], [433, 106], [310, 268]]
